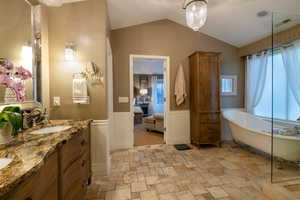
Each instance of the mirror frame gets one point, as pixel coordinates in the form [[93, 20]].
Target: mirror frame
[[34, 102]]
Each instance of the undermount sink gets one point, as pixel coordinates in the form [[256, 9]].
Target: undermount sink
[[49, 130], [4, 162]]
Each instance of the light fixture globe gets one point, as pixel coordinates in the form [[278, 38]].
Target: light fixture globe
[[196, 14], [52, 3]]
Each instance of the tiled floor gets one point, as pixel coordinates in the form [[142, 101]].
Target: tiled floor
[[160, 172]]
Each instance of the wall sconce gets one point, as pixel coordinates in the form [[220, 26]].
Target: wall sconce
[[26, 54], [70, 51]]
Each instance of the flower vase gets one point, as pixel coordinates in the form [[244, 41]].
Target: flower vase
[[6, 134]]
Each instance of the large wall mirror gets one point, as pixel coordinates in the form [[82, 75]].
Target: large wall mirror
[[20, 44]]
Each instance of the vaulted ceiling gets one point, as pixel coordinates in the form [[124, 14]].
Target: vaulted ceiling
[[232, 21]]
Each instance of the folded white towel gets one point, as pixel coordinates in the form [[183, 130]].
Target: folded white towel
[[80, 93]]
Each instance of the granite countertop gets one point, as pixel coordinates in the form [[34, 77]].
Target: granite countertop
[[29, 152]]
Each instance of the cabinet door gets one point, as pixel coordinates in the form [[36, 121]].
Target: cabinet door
[[37, 187], [194, 82], [69, 152], [52, 193], [209, 80]]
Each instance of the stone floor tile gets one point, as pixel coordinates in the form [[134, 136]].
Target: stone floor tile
[[217, 192], [160, 171], [138, 187], [152, 180], [164, 188], [197, 189], [122, 194], [208, 196], [170, 196], [149, 195], [135, 195], [185, 195]]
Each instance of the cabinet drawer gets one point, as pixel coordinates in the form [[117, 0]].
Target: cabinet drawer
[[69, 152], [213, 132]]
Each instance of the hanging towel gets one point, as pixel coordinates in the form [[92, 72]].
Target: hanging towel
[[80, 94], [180, 90]]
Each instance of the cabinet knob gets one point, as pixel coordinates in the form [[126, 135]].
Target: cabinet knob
[[83, 163], [82, 142]]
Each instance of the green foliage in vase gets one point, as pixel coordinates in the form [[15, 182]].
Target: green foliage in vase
[[12, 115]]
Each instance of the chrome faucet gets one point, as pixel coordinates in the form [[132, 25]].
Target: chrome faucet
[[35, 117]]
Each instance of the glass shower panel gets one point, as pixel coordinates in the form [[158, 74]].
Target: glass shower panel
[[285, 61]]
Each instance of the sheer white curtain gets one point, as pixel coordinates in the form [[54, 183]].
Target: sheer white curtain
[[157, 95], [256, 79], [291, 60]]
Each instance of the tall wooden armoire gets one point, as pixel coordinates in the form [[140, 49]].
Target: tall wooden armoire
[[205, 98]]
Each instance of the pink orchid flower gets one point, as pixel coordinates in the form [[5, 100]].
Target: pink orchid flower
[[19, 89], [6, 80], [20, 95], [2, 70], [8, 65], [10, 77], [22, 73]]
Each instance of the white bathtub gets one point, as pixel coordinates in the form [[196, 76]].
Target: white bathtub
[[255, 132]]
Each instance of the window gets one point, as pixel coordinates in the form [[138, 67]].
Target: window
[[160, 93], [284, 103], [229, 85]]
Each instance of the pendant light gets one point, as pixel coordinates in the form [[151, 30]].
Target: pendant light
[[52, 3], [196, 13]]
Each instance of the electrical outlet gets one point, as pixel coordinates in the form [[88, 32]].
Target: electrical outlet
[[56, 101]]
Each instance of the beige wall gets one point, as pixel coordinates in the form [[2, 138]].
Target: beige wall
[[166, 38], [15, 33], [85, 24], [281, 37]]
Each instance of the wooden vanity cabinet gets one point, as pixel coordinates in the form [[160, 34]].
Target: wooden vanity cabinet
[[41, 186], [65, 174], [74, 167]]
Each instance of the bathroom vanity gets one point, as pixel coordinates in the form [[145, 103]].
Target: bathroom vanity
[[48, 166]]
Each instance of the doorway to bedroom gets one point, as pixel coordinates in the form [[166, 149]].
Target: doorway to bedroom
[[149, 105]]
